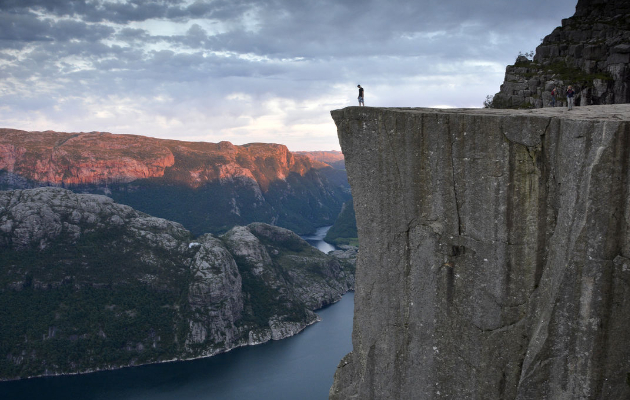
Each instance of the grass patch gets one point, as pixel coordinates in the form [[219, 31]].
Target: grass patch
[[567, 73]]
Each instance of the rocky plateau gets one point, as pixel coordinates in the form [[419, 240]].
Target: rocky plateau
[[495, 253]]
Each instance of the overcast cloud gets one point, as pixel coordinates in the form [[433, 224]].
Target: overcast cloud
[[252, 71]]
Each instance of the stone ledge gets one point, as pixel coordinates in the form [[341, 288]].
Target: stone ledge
[[613, 112]]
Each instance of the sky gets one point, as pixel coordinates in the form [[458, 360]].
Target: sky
[[252, 70]]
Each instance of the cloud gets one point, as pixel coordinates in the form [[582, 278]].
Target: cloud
[[264, 70], [22, 28]]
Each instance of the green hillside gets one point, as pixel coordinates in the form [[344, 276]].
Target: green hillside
[[344, 231], [89, 284]]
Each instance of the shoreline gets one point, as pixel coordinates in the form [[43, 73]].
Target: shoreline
[[245, 344]]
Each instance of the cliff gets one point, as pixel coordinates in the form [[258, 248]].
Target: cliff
[[590, 51], [333, 158], [495, 253], [89, 284], [208, 187], [59, 158], [344, 230]]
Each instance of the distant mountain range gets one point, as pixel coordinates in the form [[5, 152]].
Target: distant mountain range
[[333, 158], [208, 187]]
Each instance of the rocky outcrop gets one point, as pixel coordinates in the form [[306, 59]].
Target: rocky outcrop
[[346, 252], [215, 296], [590, 51], [301, 277], [207, 187], [89, 284], [494, 253]]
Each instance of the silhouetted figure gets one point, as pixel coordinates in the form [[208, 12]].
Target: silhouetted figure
[[360, 95]]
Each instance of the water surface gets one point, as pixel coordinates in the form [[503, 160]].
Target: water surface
[[317, 239], [300, 367]]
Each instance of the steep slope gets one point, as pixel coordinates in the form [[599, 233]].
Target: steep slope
[[495, 253], [590, 51], [344, 230], [88, 284], [336, 174], [208, 187]]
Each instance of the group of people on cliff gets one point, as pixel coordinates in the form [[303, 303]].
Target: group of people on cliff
[[569, 93]]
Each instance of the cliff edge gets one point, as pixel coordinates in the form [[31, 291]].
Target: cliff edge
[[495, 253]]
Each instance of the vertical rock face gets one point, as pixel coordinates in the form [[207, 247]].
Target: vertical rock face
[[215, 295], [494, 257], [590, 51]]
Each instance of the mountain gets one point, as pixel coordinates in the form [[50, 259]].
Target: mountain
[[344, 230], [590, 51], [88, 284], [333, 158], [337, 173], [208, 187], [494, 254]]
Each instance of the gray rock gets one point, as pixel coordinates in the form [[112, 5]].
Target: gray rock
[[494, 253], [346, 252], [243, 243], [589, 52], [314, 279], [216, 297]]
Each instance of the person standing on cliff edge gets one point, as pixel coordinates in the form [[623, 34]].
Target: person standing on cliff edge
[[360, 95], [554, 93], [570, 94]]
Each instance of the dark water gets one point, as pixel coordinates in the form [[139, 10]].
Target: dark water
[[300, 367], [317, 239]]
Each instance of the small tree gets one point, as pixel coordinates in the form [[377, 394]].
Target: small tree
[[529, 55], [488, 102]]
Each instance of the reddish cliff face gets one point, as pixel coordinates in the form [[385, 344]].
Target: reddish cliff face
[[82, 158], [200, 162], [327, 157], [97, 158]]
